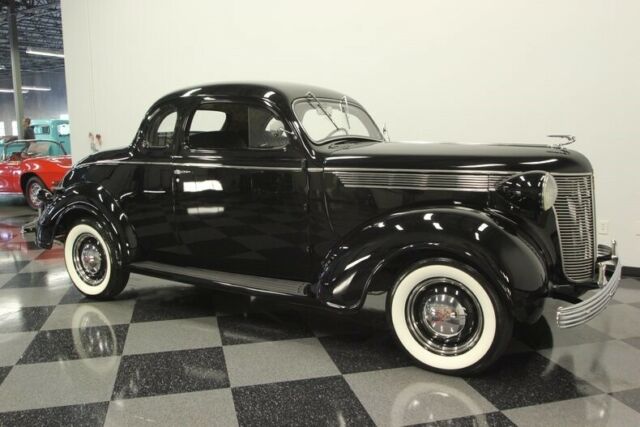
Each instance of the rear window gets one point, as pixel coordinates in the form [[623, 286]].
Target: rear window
[[41, 130]]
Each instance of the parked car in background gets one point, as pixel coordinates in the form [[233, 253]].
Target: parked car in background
[[7, 139], [291, 191], [27, 166], [53, 130]]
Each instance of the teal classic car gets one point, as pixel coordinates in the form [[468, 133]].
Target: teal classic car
[[53, 129]]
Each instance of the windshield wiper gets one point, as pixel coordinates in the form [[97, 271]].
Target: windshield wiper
[[346, 110], [312, 96]]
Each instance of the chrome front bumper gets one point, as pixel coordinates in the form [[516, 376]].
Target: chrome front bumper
[[577, 314]]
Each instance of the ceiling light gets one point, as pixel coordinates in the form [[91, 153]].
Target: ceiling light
[[11, 91], [43, 52], [26, 89], [37, 88]]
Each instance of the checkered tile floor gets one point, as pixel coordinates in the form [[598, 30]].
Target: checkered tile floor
[[169, 354]]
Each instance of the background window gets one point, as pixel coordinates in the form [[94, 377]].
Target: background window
[[164, 134]]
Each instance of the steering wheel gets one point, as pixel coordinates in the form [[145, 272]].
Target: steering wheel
[[333, 132]]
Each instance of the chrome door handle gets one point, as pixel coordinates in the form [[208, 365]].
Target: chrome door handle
[[181, 172]]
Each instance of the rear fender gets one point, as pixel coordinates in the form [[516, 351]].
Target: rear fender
[[372, 258], [93, 200]]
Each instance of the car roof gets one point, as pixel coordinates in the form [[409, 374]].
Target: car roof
[[282, 94]]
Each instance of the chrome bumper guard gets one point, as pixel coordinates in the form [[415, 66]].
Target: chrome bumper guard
[[577, 314]]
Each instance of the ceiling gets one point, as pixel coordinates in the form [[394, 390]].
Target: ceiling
[[39, 26]]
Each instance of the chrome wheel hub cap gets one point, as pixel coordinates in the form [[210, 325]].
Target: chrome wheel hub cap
[[91, 258], [33, 194], [88, 259], [444, 316]]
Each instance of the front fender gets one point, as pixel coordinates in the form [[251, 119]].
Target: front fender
[[86, 199], [391, 243]]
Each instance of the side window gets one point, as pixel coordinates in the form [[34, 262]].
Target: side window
[[265, 130], [207, 121], [207, 129], [234, 126], [162, 133]]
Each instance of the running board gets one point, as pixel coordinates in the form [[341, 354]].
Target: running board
[[231, 281]]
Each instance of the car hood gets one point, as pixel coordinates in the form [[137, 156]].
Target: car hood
[[455, 157]]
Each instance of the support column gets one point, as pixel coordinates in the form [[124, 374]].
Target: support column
[[16, 71]]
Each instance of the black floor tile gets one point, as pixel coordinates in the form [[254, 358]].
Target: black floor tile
[[174, 303], [72, 344], [492, 419], [24, 319], [171, 372], [4, 371], [359, 353], [12, 266], [631, 398], [27, 280], [260, 327], [320, 401], [89, 415], [525, 379]]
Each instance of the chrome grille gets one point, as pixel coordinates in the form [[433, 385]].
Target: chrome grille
[[575, 216]]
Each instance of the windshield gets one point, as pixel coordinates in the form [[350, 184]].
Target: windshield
[[33, 149], [327, 119]]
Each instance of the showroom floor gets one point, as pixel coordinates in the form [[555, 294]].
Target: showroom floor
[[171, 354]]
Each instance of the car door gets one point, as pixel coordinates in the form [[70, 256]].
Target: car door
[[241, 192], [144, 184], [10, 167]]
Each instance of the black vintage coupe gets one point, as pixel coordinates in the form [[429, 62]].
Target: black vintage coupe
[[293, 191]]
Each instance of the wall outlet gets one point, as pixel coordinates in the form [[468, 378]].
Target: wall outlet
[[636, 228], [603, 226]]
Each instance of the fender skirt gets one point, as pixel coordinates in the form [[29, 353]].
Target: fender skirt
[[392, 243]]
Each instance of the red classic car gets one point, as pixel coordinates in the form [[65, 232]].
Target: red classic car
[[27, 166]]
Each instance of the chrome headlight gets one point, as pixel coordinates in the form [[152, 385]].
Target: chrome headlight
[[549, 191], [530, 190]]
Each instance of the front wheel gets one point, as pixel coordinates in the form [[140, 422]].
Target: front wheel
[[448, 318], [90, 260]]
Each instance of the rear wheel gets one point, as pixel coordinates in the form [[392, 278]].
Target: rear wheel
[[31, 190], [89, 258], [448, 318]]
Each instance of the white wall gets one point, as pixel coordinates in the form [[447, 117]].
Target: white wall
[[491, 71]]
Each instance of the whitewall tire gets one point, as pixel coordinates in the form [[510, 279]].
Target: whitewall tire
[[89, 258], [448, 319]]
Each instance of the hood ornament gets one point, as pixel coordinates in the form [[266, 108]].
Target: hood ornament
[[570, 139]]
